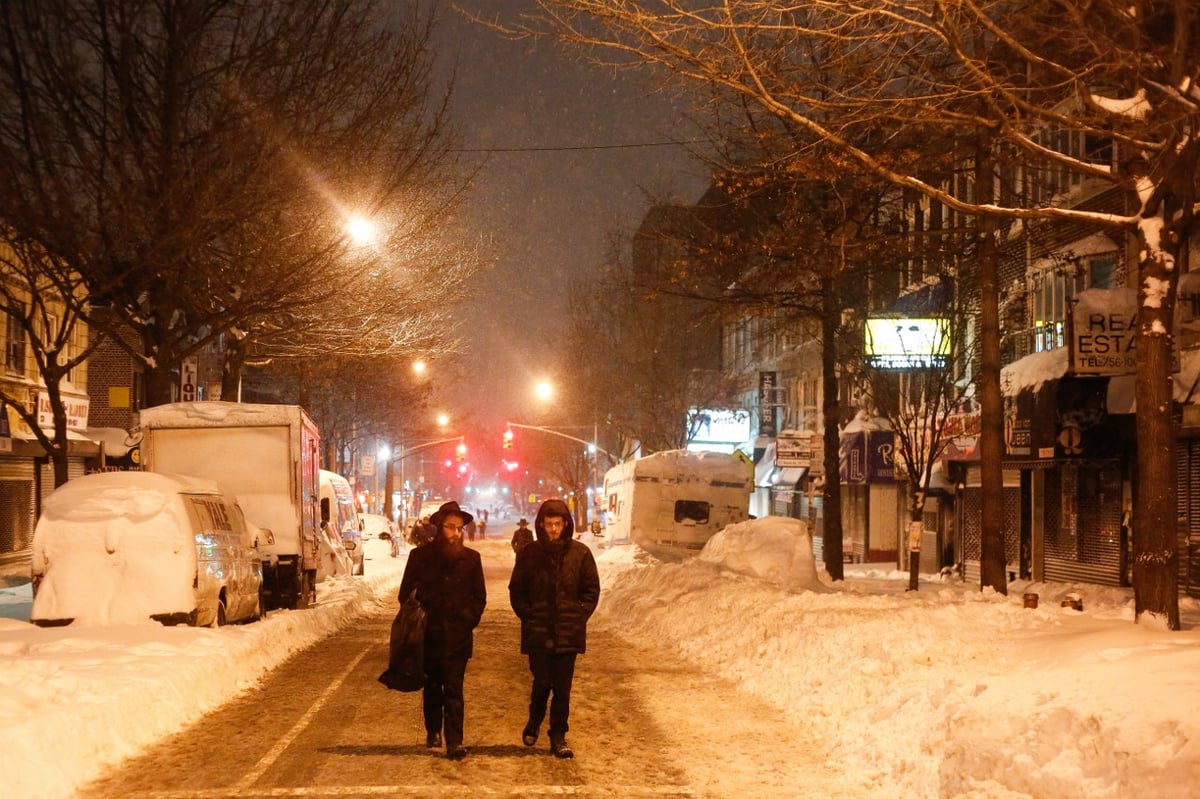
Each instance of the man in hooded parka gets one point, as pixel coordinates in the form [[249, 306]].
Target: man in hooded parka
[[553, 590]]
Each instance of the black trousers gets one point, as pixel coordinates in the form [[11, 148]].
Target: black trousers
[[552, 676], [442, 699]]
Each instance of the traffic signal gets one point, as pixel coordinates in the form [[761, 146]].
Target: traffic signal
[[460, 452], [508, 438]]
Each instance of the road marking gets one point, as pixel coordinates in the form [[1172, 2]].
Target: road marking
[[283, 743], [426, 791]]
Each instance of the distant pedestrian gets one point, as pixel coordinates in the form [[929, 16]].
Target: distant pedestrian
[[554, 589], [423, 532], [448, 578], [522, 535]]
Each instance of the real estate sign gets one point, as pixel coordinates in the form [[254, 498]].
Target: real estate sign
[[1103, 328]]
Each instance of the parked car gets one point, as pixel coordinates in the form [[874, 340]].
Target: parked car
[[123, 547], [379, 537], [338, 511]]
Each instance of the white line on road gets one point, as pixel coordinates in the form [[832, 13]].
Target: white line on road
[[267, 760], [631, 791]]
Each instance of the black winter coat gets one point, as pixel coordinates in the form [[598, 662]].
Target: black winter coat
[[450, 586], [554, 590]]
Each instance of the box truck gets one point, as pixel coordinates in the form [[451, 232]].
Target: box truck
[[268, 456], [672, 502]]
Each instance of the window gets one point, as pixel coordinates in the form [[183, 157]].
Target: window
[[14, 348], [1052, 288], [690, 510]]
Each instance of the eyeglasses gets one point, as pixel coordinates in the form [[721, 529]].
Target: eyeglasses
[[452, 527]]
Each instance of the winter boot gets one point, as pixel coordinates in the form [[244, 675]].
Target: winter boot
[[529, 735], [433, 740], [560, 748]]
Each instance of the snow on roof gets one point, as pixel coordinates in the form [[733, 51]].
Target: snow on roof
[[864, 422], [203, 414], [693, 464], [114, 439], [1032, 371]]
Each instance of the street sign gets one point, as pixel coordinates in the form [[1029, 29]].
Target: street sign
[[188, 370]]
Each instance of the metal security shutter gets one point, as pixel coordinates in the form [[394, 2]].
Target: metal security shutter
[[17, 506], [971, 499], [1082, 525], [1187, 474]]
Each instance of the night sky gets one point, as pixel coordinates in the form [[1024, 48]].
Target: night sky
[[548, 213]]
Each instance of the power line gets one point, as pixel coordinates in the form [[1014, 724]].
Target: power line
[[578, 147]]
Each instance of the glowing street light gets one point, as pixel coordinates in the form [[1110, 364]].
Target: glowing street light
[[362, 231], [544, 390]]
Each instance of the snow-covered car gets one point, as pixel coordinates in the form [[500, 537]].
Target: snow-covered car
[[379, 537], [124, 547], [376, 525], [340, 515]]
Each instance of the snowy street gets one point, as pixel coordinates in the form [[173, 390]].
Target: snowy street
[[742, 672], [640, 718]]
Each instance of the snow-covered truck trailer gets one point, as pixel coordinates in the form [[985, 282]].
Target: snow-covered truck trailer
[[268, 456], [672, 502]]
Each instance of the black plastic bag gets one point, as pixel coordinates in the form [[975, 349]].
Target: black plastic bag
[[406, 655]]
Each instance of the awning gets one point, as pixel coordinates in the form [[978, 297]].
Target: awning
[[788, 478]]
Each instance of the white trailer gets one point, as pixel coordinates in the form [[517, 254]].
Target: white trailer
[[268, 456], [672, 502]]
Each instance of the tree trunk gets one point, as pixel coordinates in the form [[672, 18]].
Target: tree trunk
[[231, 369], [831, 317], [1155, 547], [915, 532], [60, 450], [992, 566]]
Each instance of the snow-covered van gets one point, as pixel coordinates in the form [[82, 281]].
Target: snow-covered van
[[268, 455], [672, 502], [124, 547], [338, 511]]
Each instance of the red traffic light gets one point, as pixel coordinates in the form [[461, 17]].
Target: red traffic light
[[508, 438]]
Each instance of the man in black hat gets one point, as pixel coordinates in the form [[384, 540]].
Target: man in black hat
[[521, 536], [448, 578]]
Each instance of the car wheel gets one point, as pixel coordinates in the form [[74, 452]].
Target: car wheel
[[221, 620]]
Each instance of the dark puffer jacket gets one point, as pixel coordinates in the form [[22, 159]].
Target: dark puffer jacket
[[451, 588], [554, 587]]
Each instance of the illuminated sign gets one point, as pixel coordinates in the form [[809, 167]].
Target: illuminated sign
[[896, 343]]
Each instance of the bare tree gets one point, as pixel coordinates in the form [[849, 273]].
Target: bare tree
[[916, 386], [40, 299], [1015, 77], [196, 163], [651, 355]]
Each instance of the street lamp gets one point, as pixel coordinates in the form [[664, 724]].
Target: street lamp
[[544, 391], [399, 454]]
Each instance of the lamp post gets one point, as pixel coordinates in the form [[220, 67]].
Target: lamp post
[[593, 448], [403, 452]]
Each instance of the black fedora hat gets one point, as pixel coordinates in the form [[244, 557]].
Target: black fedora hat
[[445, 510]]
